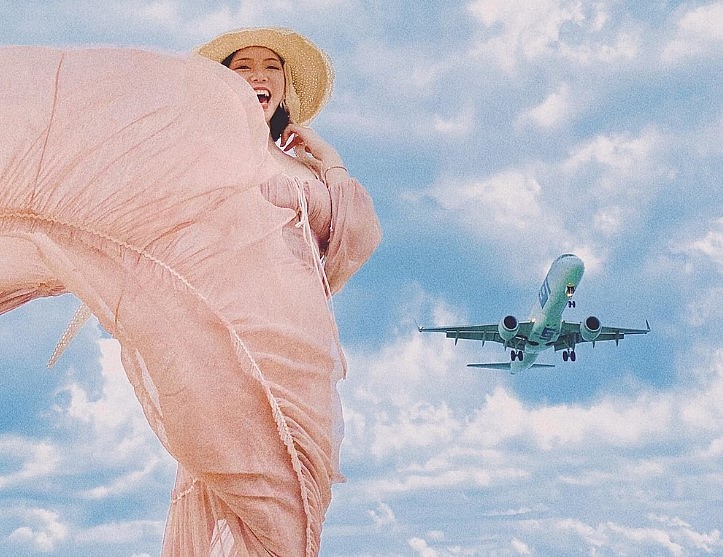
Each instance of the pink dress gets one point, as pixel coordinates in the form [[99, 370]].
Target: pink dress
[[142, 184]]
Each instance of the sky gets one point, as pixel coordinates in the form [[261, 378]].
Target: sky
[[493, 135]]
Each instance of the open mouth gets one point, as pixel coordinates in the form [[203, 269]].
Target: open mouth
[[264, 96]]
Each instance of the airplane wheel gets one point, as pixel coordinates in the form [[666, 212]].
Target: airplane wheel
[[513, 355], [520, 355], [572, 356], [565, 355]]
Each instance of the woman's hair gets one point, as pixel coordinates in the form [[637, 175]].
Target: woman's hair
[[280, 119]]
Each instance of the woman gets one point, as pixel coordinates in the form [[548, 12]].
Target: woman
[[151, 188], [330, 230]]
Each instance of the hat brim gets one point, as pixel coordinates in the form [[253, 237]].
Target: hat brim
[[310, 68]]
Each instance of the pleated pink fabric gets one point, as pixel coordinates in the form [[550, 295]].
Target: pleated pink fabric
[[142, 184]]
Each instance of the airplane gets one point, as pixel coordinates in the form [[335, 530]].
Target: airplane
[[545, 328]]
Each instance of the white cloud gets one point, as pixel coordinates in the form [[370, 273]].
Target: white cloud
[[103, 435], [187, 22], [160, 11], [405, 93], [43, 530], [117, 533], [115, 420], [620, 152], [616, 51], [602, 189], [614, 535], [618, 176], [529, 30], [382, 516], [507, 203], [127, 482], [520, 547], [610, 422], [510, 208], [500, 443], [422, 424], [699, 33], [690, 252], [37, 460], [518, 31], [551, 112], [711, 245], [421, 548], [455, 127]]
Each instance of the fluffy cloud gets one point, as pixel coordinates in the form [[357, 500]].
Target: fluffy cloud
[[100, 433], [42, 529], [503, 209], [33, 460], [518, 31], [420, 423], [117, 533], [699, 33], [587, 461], [528, 30], [551, 112], [600, 190], [108, 432], [711, 245], [507, 202], [620, 153]]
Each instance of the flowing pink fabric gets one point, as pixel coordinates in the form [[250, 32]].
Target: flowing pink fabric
[[142, 183]]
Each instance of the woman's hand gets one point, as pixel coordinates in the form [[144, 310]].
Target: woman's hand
[[305, 139]]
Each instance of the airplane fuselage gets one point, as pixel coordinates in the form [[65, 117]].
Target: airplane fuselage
[[553, 297]]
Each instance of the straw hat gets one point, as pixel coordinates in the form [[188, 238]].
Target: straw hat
[[308, 70]]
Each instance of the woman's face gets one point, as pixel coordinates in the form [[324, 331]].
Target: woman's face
[[263, 69]]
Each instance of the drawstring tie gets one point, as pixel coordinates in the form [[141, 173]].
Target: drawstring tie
[[82, 314], [305, 225]]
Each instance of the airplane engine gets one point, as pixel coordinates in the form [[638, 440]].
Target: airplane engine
[[508, 327], [590, 328]]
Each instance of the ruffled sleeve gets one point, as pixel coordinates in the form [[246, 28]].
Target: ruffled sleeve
[[355, 232]]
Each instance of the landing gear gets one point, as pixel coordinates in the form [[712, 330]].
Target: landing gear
[[571, 303], [569, 355], [517, 355]]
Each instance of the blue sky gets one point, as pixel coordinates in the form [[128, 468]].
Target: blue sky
[[493, 135]]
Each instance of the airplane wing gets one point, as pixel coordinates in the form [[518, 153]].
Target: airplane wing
[[570, 335], [484, 333]]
